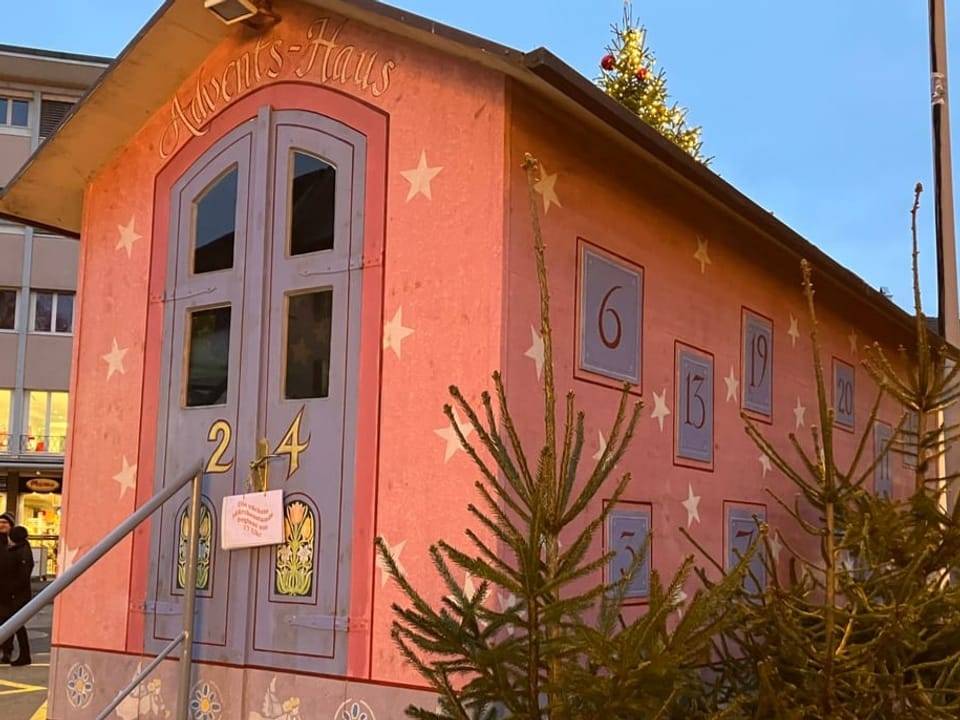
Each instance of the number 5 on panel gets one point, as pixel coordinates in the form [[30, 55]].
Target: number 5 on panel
[[694, 407]]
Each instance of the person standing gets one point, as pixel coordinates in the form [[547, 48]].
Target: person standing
[[21, 592], [6, 582]]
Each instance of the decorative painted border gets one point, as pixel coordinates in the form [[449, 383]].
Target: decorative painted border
[[579, 372]]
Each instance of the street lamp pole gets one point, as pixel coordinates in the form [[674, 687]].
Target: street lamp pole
[[948, 311]]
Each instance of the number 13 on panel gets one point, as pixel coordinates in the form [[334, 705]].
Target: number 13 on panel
[[694, 415]]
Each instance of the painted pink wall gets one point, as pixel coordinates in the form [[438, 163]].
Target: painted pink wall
[[636, 212], [441, 302]]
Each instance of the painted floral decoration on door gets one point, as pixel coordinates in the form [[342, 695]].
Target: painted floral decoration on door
[[294, 561], [204, 546]]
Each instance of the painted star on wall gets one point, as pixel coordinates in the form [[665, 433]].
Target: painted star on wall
[[128, 236], [794, 331], [114, 359], [853, 340], [732, 385], [702, 255], [765, 465], [69, 556], [449, 436], [775, 545], [692, 506], [603, 446], [127, 477], [394, 551], [420, 178], [798, 413], [535, 352], [660, 409], [546, 186], [394, 332]]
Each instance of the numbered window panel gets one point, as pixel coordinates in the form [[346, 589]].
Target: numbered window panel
[[909, 439], [757, 367], [694, 407], [882, 471], [312, 204], [740, 530], [309, 321], [610, 317], [215, 224], [628, 526], [208, 357], [843, 394]]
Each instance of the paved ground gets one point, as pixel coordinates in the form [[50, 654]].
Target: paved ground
[[23, 690]]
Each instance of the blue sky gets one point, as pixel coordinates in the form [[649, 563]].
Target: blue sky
[[819, 111]]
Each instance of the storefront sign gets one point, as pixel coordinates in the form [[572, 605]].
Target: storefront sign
[[252, 520], [321, 56], [42, 485]]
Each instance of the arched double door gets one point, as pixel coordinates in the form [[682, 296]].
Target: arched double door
[[260, 341]]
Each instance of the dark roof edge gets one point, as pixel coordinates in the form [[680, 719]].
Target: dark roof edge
[[55, 55], [568, 81]]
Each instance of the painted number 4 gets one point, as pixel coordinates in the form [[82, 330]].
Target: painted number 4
[[293, 445]]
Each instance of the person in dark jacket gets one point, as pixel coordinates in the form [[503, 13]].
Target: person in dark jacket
[[22, 567], [6, 582]]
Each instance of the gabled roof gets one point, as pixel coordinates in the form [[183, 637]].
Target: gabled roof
[[147, 73]]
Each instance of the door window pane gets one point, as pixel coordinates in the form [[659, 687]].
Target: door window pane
[[215, 218], [208, 358], [8, 309], [64, 313], [20, 113], [42, 311], [311, 204], [308, 345]]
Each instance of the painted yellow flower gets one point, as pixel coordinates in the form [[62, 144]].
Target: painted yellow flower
[[307, 531], [295, 512], [291, 704]]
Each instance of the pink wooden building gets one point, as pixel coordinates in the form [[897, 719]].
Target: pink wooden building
[[305, 233]]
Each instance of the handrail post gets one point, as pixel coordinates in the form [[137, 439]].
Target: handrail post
[[190, 597]]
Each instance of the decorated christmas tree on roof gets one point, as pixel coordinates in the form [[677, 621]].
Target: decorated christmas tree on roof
[[630, 76]]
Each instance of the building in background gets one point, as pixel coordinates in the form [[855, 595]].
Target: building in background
[[38, 271]]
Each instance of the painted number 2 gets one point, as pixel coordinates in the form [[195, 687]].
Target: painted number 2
[[610, 342], [844, 397], [221, 433]]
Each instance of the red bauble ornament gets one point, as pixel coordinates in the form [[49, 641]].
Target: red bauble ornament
[[609, 62], [642, 74]]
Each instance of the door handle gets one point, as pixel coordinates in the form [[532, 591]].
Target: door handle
[[259, 467]]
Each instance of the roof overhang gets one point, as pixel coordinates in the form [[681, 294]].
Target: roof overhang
[[147, 74], [66, 71]]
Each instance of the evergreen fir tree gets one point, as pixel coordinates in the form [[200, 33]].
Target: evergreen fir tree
[[630, 76], [870, 629], [559, 648]]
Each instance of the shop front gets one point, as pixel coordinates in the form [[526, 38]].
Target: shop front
[[34, 498]]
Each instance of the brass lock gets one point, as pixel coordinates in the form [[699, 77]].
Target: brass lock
[[260, 467]]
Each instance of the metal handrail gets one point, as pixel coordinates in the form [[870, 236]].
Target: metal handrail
[[185, 639]]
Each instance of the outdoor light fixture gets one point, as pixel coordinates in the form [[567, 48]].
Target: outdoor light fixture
[[232, 11]]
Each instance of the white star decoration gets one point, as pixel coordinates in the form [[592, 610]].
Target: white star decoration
[[394, 332], [508, 601], [128, 236], [450, 436], [692, 506], [603, 447], [535, 352], [546, 187], [660, 409], [394, 551], [679, 598], [702, 255], [852, 337], [775, 545], [732, 385], [114, 359], [420, 178], [69, 557], [798, 413], [794, 331], [127, 477], [765, 465]]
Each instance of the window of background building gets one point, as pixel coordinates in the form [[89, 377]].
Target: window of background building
[[45, 429], [51, 312], [52, 113], [8, 309], [6, 401], [14, 112]]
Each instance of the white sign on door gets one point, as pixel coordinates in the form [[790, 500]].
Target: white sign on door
[[252, 520]]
